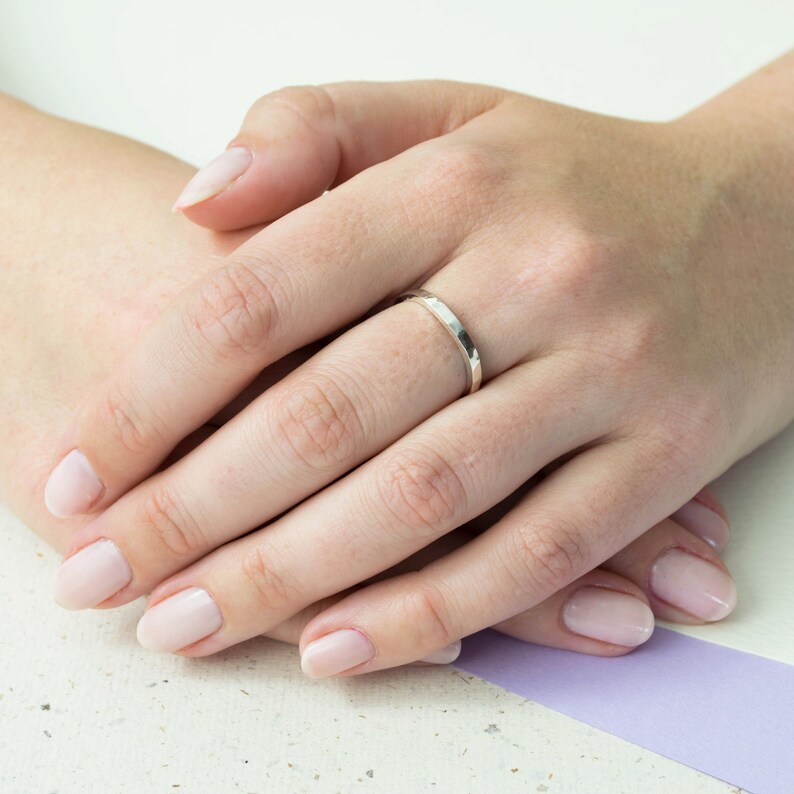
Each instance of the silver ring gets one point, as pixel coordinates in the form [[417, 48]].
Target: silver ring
[[454, 326]]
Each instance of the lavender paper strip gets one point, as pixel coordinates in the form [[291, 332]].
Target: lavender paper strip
[[726, 713]]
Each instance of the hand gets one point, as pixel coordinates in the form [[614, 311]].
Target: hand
[[57, 345], [600, 268]]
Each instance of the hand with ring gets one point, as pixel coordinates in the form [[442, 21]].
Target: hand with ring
[[619, 291]]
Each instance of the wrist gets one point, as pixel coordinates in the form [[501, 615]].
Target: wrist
[[739, 154]]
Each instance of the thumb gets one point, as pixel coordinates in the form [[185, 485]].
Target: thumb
[[300, 141]]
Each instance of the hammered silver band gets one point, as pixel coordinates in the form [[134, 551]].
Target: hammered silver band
[[454, 326]]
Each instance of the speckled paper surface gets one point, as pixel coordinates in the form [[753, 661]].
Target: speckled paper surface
[[84, 709]]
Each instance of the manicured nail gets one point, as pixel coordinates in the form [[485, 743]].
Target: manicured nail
[[336, 652], [73, 486], [693, 585], [179, 621], [444, 655], [609, 616], [215, 177], [91, 576], [704, 522]]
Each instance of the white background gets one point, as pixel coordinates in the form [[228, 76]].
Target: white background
[[180, 75]]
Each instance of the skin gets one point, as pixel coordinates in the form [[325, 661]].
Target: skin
[[65, 327], [68, 320]]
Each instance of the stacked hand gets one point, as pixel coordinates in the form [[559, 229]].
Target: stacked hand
[[607, 272]]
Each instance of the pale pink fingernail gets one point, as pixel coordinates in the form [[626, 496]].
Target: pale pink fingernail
[[693, 585], [91, 576], [444, 655], [73, 486], [336, 652], [609, 616], [180, 620], [704, 522], [216, 176]]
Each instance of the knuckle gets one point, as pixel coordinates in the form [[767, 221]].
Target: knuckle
[[630, 353], [422, 492], [165, 516], [581, 260], [690, 431], [236, 309], [425, 610], [134, 428], [547, 556], [266, 580], [320, 423], [460, 174], [634, 346], [641, 336], [312, 105]]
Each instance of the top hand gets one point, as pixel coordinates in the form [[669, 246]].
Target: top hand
[[598, 267]]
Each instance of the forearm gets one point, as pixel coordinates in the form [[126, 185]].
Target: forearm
[[90, 255]]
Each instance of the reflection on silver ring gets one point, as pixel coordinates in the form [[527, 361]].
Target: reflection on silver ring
[[447, 318]]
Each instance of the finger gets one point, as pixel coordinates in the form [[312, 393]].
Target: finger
[[297, 142], [606, 612], [434, 479], [290, 630], [578, 516], [344, 405], [705, 516], [601, 614], [674, 574], [352, 399], [271, 297], [683, 576]]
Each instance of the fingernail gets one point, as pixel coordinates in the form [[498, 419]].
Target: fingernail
[[693, 585], [704, 522], [609, 616], [215, 177], [179, 621], [336, 652], [91, 575], [73, 486], [444, 655]]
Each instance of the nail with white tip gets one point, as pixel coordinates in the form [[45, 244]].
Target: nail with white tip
[[215, 177], [73, 486], [91, 576], [179, 620]]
